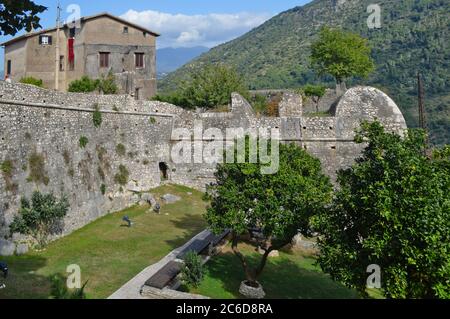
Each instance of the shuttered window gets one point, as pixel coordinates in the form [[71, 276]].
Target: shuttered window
[[104, 59], [139, 57]]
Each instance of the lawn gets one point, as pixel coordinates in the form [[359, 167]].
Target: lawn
[[108, 253], [292, 275]]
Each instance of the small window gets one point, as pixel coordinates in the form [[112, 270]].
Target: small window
[[125, 30], [145, 34], [45, 40], [104, 59], [61, 63], [9, 67], [139, 57], [136, 94], [72, 32]]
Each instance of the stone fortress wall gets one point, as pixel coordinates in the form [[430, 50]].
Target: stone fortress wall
[[40, 130]]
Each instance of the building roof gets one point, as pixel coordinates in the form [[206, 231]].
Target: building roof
[[83, 19]]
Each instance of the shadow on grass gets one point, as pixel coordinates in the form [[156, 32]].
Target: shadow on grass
[[22, 281], [282, 279], [190, 225]]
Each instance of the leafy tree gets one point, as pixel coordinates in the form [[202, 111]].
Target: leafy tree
[[271, 208], [17, 15], [315, 92], [341, 54], [192, 271], [208, 87], [32, 81], [84, 85], [39, 218], [392, 210]]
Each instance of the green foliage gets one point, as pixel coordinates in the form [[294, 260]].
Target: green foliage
[[315, 92], [83, 141], [393, 210], [32, 81], [193, 271], [121, 149], [18, 15], [280, 204], [107, 84], [38, 174], [209, 87], [84, 85], [97, 117], [59, 289], [103, 189], [341, 54], [40, 217], [152, 120], [7, 167], [122, 176]]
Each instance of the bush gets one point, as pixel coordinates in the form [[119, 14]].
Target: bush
[[193, 270], [103, 189], [83, 141], [40, 217], [107, 85], [32, 81], [97, 117], [59, 289], [84, 85]]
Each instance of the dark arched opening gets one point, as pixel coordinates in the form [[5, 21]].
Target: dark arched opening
[[163, 169]]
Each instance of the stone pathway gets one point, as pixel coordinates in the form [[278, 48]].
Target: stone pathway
[[131, 290]]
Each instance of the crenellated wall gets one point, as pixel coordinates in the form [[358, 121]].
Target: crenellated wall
[[40, 134]]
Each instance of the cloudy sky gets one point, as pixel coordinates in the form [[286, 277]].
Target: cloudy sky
[[182, 23]]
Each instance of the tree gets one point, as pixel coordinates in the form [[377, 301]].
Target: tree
[[270, 208], [315, 92], [208, 87], [392, 210], [341, 54], [39, 218], [17, 15]]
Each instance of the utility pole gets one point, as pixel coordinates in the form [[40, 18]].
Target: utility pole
[[58, 22]]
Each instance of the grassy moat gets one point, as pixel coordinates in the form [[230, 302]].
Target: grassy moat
[[110, 254]]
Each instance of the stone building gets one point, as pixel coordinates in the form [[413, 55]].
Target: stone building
[[98, 45]]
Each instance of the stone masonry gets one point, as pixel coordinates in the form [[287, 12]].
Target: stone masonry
[[47, 125]]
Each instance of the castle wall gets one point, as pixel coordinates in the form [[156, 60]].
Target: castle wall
[[42, 126]]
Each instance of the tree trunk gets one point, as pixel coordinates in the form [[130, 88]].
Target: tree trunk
[[341, 88], [248, 273]]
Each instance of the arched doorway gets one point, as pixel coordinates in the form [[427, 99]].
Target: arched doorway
[[164, 169]]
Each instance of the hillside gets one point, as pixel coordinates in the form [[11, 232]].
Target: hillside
[[414, 36]]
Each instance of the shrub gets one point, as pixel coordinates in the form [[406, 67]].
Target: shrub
[[122, 176], [103, 189], [83, 141], [120, 149], [7, 168], [315, 92], [97, 117], [40, 217], [59, 289], [193, 271], [32, 81], [107, 84], [85, 84], [152, 120]]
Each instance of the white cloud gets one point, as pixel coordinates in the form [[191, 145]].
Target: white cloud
[[180, 30]]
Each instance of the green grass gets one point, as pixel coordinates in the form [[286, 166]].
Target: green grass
[[108, 253], [292, 275]]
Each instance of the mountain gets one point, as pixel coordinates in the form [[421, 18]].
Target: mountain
[[170, 59], [414, 36]]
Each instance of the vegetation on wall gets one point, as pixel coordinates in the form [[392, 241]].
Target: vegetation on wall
[[7, 168], [97, 116], [392, 209], [38, 174], [121, 149], [106, 85], [32, 81], [122, 175], [40, 216], [83, 141]]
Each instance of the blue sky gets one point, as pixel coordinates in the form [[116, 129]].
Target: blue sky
[[182, 23]]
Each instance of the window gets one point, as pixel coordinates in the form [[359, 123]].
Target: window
[[61, 63], [9, 67], [45, 40], [139, 57], [104, 59], [125, 30], [136, 94]]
